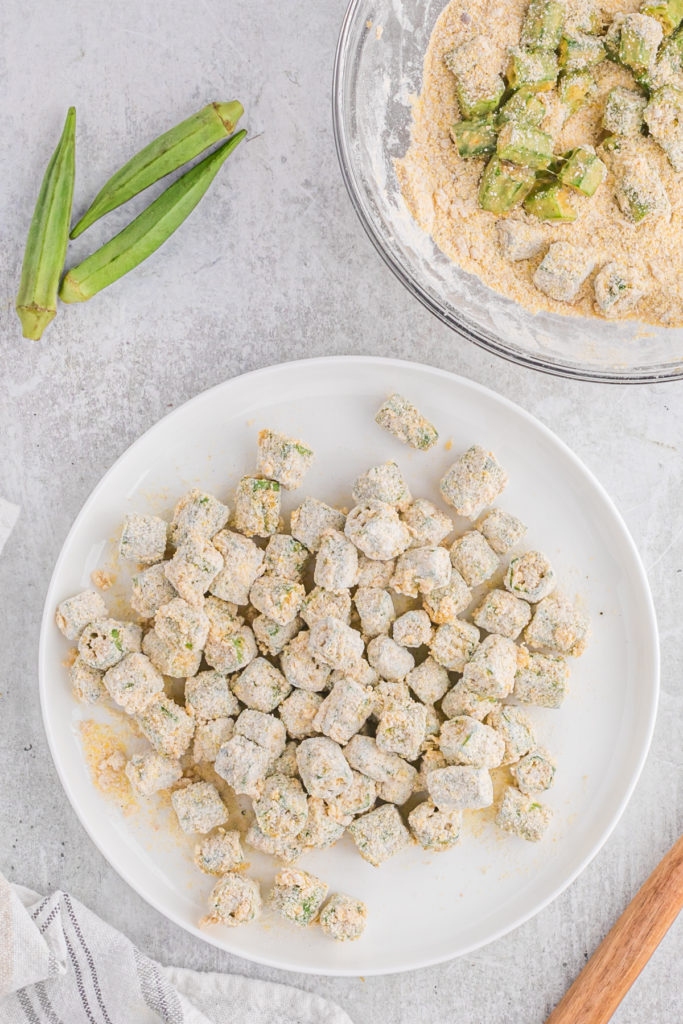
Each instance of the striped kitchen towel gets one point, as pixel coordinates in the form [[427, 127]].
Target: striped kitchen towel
[[61, 964]]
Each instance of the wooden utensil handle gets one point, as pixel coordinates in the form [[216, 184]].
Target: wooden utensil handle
[[621, 956]]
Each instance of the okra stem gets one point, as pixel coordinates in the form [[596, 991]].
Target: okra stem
[[48, 237], [148, 231], [162, 156]]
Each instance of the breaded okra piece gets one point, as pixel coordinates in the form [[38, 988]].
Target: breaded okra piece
[[182, 625], [453, 644], [150, 589], [444, 604], [281, 810], [523, 817], [473, 482], [535, 69], [167, 726], [344, 711], [433, 829], [77, 612], [312, 519], [542, 25], [623, 111], [406, 423], [664, 116], [421, 570], [401, 787], [234, 900], [286, 557], [143, 538], [278, 598], [243, 564], [283, 458], [618, 289], [412, 629], [535, 772], [525, 145], [105, 642], [640, 192], [639, 41], [542, 680], [503, 613], [389, 659], [199, 807], [87, 683], [208, 696], [429, 681], [321, 604], [515, 729], [464, 740], [298, 713], [363, 754], [151, 772], [197, 513], [257, 507], [519, 240], [209, 737], [491, 669], [220, 852], [382, 483], [335, 644], [479, 86], [504, 186], [133, 683], [322, 830], [375, 610], [297, 895], [530, 576], [266, 730], [299, 666], [502, 530], [261, 686], [427, 524], [558, 625], [336, 563], [373, 572], [376, 530], [563, 270], [177, 662], [194, 567], [288, 850], [401, 728], [358, 798], [460, 788], [461, 700], [580, 50], [324, 770], [230, 649], [243, 764], [379, 834], [271, 637], [343, 918], [473, 557]]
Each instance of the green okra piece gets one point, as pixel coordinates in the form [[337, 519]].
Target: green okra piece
[[526, 146], [639, 42], [48, 237], [504, 186], [669, 13], [583, 170], [551, 201], [542, 27], [523, 108], [148, 231], [165, 154], [474, 138], [575, 89], [580, 50], [535, 69]]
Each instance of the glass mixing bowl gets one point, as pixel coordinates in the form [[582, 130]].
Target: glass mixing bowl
[[378, 67]]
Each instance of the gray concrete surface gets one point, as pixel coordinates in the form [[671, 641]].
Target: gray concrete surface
[[273, 266]]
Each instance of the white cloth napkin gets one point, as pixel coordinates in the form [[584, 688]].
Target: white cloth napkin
[[61, 964]]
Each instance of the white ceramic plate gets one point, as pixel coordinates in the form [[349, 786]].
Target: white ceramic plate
[[422, 908]]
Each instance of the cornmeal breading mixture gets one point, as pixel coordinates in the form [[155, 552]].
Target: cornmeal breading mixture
[[623, 270]]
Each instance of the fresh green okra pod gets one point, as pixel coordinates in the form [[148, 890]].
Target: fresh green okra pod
[[48, 237], [148, 231], [162, 156]]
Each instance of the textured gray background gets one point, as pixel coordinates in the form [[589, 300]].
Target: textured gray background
[[273, 266]]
